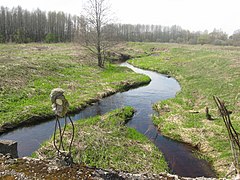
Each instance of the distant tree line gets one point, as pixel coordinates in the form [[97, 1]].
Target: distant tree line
[[23, 26], [174, 34]]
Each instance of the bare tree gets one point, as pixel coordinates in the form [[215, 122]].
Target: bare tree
[[96, 17]]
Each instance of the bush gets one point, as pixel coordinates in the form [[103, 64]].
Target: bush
[[219, 42], [19, 36], [2, 39], [51, 38]]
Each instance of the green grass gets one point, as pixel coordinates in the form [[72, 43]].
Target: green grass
[[105, 142], [202, 71], [28, 73]]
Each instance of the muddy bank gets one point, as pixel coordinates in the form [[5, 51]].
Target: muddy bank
[[30, 168], [34, 120]]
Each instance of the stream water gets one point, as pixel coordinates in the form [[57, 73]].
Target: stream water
[[178, 155]]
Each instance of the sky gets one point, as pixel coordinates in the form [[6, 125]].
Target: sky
[[194, 15]]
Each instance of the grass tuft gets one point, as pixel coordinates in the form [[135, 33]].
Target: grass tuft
[[105, 142]]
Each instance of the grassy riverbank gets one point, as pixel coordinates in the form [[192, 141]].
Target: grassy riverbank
[[202, 71], [28, 73], [105, 142]]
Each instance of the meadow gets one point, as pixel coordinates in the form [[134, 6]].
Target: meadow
[[203, 72], [28, 73]]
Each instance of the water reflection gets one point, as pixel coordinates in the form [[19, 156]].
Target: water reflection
[[179, 156]]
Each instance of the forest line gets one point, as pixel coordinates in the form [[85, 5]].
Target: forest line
[[23, 26]]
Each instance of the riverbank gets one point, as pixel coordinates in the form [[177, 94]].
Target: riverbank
[[30, 71], [202, 71], [31, 168], [105, 142]]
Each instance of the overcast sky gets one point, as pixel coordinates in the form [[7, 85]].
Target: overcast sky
[[189, 14]]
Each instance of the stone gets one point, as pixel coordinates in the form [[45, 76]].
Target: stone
[[9, 147]]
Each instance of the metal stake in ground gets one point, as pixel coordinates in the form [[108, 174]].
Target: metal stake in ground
[[232, 134], [60, 107]]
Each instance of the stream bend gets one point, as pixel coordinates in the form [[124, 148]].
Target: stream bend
[[179, 156]]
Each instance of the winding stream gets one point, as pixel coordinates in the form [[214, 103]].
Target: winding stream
[[179, 156]]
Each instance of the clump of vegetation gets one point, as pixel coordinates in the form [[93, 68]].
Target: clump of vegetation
[[202, 71], [28, 73], [51, 38], [105, 142]]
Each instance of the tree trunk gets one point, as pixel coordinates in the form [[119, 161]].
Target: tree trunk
[[100, 64]]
